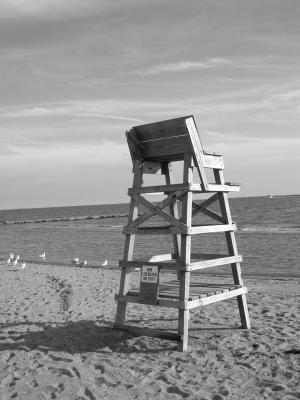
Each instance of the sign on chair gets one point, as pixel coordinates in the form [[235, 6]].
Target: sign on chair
[[149, 283]]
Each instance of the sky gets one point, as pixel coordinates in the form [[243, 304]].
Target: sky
[[75, 75]]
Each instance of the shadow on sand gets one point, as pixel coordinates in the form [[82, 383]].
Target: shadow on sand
[[75, 337]]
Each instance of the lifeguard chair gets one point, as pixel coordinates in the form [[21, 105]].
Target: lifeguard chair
[[153, 147]]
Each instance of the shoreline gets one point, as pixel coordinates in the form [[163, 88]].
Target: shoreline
[[63, 219], [115, 267]]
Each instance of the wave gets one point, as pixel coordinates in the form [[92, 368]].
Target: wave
[[271, 229], [63, 219]]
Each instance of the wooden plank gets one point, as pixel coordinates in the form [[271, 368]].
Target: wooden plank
[[168, 303], [212, 214], [198, 207], [148, 214], [162, 257], [169, 265], [194, 266], [212, 153], [135, 147], [168, 229], [185, 256], [163, 214], [162, 129], [196, 149], [128, 248], [212, 161], [212, 187], [159, 188], [148, 230], [196, 229], [202, 207], [159, 149], [232, 249], [217, 297], [173, 210]]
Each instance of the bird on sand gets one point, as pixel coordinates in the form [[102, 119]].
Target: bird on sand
[[43, 256], [8, 261], [15, 262], [104, 263], [82, 264], [23, 265], [75, 261]]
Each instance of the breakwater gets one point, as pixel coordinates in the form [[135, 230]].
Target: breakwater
[[63, 219]]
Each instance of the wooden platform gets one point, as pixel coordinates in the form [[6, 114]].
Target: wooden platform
[[199, 294]]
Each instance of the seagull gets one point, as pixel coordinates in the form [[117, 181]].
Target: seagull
[[16, 260], [11, 256], [75, 260], [104, 263], [43, 256], [23, 265], [83, 264], [8, 261]]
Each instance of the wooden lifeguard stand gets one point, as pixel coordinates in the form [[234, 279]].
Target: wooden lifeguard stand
[[153, 147]]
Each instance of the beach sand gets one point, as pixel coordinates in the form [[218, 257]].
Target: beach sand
[[57, 342]]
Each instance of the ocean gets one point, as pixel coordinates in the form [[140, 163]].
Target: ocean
[[268, 235]]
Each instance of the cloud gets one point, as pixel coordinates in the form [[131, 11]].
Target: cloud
[[70, 109], [181, 66], [47, 8], [219, 63]]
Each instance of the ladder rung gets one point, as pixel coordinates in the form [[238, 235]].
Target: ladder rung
[[194, 230], [168, 265], [168, 229], [214, 260], [228, 187], [195, 187]]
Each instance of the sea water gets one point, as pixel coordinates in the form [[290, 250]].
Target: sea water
[[268, 235]]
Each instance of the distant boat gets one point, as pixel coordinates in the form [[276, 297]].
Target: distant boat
[[271, 196]]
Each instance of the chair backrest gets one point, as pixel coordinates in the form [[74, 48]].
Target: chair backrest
[[167, 141], [163, 141]]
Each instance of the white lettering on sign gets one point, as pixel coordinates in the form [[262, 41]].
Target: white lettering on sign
[[149, 274]]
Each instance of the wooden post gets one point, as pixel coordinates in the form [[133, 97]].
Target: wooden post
[[185, 255], [173, 209], [129, 245], [232, 248]]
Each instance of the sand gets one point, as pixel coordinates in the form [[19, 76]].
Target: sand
[[57, 342]]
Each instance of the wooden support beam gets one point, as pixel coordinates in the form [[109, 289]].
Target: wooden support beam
[[182, 229], [196, 150], [128, 247], [198, 207], [148, 214], [173, 210], [216, 297], [156, 210], [214, 262], [232, 249], [159, 189]]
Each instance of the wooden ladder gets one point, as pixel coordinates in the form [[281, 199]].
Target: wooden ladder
[[188, 291]]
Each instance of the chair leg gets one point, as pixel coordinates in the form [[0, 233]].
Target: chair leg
[[183, 329], [243, 308]]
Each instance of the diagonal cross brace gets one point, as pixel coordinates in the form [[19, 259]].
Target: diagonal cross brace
[[156, 210], [203, 208]]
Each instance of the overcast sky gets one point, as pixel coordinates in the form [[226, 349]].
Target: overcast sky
[[74, 75]]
